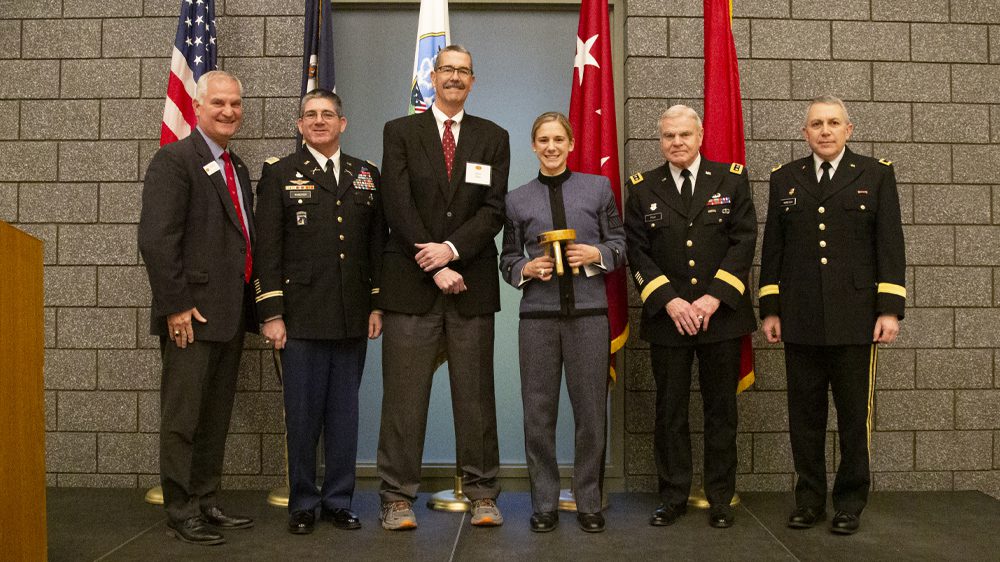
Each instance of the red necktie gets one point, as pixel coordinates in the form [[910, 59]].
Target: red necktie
[[231, 184], [448, 144]]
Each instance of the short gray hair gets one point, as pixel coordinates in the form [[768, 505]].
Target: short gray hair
[[202, 86], [679, 110], [829, 100], [454, 49], [321, 93]]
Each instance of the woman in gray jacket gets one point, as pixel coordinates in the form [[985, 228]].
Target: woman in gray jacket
[[563, 318]]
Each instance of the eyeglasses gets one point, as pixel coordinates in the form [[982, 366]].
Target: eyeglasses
[[316, 115], [462, 71]]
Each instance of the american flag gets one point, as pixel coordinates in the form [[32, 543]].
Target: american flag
[[194, 54]]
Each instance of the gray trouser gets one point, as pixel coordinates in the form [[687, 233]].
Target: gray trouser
[[410, 348], [582, 345]]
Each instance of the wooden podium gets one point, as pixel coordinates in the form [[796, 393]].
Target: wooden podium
[[23, 534]]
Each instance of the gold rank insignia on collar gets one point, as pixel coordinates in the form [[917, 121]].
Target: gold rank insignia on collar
[[884, 161], [776, 168], [736, 168], [635, 178]]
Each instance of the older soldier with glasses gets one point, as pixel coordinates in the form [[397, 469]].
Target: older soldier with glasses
[[322, 232], [832, 288]]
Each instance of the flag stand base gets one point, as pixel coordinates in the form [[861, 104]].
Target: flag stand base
[[450, 500], [697, 499], [154, 495]]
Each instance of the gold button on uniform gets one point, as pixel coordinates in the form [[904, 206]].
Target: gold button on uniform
[[338, 202], [822, 226], [822, 243], [690, 243], [341, 219], [821, 260], [694, 280], [821, 210], [341, 236], [342, 256], [862, 207], [300, 201], [691, 263], [652, 225]]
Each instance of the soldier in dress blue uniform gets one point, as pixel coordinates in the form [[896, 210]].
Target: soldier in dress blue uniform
[[691, 231], [322, 232], [832, 288]]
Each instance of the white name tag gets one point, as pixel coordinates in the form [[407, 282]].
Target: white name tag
[[211, 167], [477, 173]]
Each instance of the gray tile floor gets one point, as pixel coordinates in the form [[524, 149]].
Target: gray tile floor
[[93, 524]]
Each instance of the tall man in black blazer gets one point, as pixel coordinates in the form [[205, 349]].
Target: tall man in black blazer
[[319, 255], [196, 234], [832, 288], [691, 231], [444, 179]]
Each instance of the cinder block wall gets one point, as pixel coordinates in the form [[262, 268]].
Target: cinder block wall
[[922, 83], [81, 95]]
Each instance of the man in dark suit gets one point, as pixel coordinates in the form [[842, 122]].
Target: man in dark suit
[[444, 181], [691, 231], [832, 288], [195, 234], [321, 236]]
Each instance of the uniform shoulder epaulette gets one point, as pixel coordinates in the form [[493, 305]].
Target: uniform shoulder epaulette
[[776, 168], [271, 160], [635, 178], [885, 162], [736, 168]]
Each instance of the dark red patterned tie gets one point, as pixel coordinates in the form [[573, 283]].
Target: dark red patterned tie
[[448, 144], [231, 184]]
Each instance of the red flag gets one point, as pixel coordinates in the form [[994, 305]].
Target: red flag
[[592, 115], [723, 121]]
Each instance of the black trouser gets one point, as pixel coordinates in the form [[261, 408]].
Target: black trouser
[[197, 390], [849, 372], [718, 372], [320, 387]]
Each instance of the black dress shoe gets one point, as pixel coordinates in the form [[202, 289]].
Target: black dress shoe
[[342, 518], [664, 515], [845, 523], [721, 517], [545, 521], [214, 517], [194, 531], [591, 522], [806, 517], [301, 522]]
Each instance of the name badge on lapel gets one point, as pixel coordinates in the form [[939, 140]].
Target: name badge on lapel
[[211, 167], [478, 174]]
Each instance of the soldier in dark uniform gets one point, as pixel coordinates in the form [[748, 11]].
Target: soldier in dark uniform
[[691, 231], [322, 232], [832, 288]]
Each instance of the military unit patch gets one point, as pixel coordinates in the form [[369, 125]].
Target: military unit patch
[[736, 168], [635, 178], [364, 180]]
